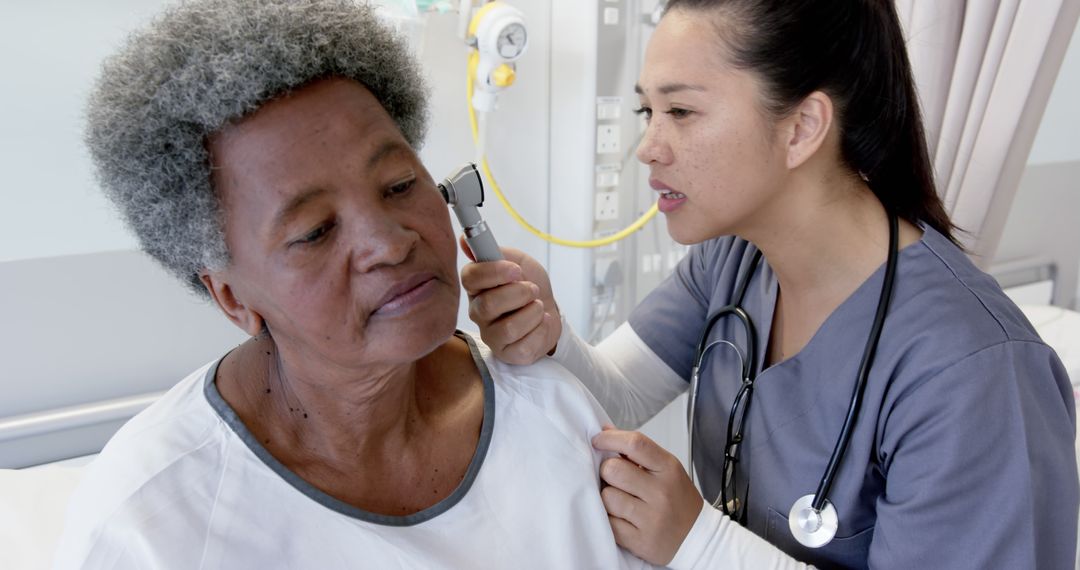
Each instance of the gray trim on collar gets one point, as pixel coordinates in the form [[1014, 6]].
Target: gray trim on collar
[[213, 396]]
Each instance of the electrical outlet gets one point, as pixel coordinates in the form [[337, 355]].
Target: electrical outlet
[[607, 179], [607, 206], [673, 258], [607, 139]]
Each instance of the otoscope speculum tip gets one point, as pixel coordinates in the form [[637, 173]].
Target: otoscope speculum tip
[[445, 196]]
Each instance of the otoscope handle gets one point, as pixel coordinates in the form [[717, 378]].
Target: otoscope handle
[[482, 242]]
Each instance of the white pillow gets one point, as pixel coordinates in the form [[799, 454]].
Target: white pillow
[[33, 506], [1059, 328]]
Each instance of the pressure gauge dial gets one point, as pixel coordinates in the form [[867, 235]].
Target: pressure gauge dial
[[511, 41]]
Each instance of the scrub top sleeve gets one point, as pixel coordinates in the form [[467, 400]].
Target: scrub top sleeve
[[979, 465], [671, 317]]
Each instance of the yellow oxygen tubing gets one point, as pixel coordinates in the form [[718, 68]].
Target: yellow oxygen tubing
[[474, 60]]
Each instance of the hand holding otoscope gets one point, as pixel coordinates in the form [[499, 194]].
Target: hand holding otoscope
[[464, 192], [539, 317]]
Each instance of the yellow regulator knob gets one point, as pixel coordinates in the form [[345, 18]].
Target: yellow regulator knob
[[503, 76]]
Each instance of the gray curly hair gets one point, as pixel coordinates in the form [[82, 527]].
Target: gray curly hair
[[207, 63]]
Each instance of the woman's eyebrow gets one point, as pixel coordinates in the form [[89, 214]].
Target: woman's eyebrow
[[385, 149], [294, 204], [669, 88]]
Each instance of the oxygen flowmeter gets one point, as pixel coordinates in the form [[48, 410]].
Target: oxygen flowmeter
[[497, 32]]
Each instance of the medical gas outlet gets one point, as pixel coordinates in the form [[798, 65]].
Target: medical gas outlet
[[498, 33]]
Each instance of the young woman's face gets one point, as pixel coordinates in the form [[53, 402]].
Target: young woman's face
[[713, 156]]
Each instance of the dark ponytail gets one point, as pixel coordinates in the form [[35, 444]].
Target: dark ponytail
[[854, 51]]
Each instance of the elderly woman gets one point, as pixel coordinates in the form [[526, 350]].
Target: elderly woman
[[263, 152]]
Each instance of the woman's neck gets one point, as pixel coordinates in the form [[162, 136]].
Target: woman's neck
[[822, 239], [391, 440], [336, 414]]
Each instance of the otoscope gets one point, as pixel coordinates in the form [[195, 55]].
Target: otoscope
[[464, 192]]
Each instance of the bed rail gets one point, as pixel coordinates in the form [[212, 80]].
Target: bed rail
[[61, 433]]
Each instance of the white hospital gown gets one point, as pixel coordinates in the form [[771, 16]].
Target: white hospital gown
[[183, 485]]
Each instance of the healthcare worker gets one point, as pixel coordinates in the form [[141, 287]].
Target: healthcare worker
[[866, 396]]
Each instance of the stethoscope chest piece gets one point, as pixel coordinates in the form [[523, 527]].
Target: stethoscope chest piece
[[810, 527]]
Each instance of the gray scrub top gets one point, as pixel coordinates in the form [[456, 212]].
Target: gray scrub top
[[963, 452]]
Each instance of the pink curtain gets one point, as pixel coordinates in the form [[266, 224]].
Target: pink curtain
[[984, 69]]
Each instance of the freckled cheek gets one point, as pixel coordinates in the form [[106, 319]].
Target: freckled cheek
[[707, 163]]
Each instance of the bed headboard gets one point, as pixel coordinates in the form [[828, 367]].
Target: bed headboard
[[89, 340], [1041, 240]]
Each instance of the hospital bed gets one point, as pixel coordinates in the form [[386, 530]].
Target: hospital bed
[[86, 341], [149, 333]]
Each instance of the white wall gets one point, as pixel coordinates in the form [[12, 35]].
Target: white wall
[[1057, 139], [50, 51]]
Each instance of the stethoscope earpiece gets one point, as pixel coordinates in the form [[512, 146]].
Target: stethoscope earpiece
[[810, 527]]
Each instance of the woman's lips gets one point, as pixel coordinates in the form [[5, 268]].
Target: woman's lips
[[406, 296], [669, 204], [669, 200]]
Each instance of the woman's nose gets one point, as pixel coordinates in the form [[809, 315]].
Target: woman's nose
[[653, 148], [381, 241]]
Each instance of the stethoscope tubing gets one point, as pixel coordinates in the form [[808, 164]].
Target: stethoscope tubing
[[825, 485], [748, 363]]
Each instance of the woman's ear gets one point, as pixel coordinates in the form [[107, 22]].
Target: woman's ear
[[808, 128], [222, 292]]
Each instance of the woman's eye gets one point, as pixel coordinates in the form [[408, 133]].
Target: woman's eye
[[401, 187], [314, 236], [644, 111], [678, 113]]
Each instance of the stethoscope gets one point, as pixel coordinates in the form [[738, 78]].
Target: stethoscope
[[813, 520]]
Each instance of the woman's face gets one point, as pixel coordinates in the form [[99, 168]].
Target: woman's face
[[338, 237], [713, 155]]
